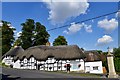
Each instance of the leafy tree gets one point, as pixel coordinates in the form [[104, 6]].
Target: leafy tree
[[103, 57], [33, 34], [17, 42], [99, 51], [41, 35], [117, 64], [7, 36], [27, 33], [116, 52], [60, 40]]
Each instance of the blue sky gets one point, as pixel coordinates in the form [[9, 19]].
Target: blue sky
[[95, 34]]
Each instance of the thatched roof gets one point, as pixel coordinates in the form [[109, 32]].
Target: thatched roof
[[92, 55], [14, 52], [58, 52]]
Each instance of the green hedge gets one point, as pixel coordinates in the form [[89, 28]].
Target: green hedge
[[117, 64]]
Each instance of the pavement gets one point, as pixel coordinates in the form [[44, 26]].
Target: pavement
[[19, 74]]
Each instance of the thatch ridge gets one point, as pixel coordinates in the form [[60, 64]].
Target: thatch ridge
[[14, 51], [92, 55], [58, 52]]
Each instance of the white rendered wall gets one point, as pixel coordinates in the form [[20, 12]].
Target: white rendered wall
[[16, 64], [8, 60], [74, 65], [32, 63], [89, 67], [25, 63]]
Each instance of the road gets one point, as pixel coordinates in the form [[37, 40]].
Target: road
[[18, 74]]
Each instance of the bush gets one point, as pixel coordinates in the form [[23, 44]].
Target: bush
[[3, 65], [117, 64]]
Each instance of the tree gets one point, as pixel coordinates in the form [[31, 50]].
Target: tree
[[27, 33], [116, 52], [60, 40], [33, 34], [41, 35], [17, 42], [7, 36], [99, 51]]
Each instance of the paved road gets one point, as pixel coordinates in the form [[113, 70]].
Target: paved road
[[18, 74], [35, 74]]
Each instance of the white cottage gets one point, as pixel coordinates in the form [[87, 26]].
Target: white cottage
[[8, 57], [52, 58], [93, 63]]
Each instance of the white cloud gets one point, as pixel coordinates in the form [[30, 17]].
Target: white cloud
[[10, 25], [77, 27], [108, 25], [73, 28], [61, 11], [104, 40], [88, 28], [117, 14], [17, 34], [111, 49]]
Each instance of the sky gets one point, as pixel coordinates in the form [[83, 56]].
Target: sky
[[95, 34]]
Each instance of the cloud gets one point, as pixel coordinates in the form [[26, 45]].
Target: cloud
[[104, 40], [73, 28], [59, 12], [77, 27], [17, 34], [111, 49], [117, 14], [88, 28], [108, 25], [10, 26], [1, 24]]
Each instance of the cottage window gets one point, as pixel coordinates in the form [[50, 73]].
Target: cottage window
[[95, 68]]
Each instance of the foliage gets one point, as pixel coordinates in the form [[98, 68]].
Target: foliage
[[3, 65], [117, 64], [104, 60], [17, 42], [41, 35], [60, 40], [33, 34], [27, 33], [7, 36], [116, 52], [99, 51], [104, 63]]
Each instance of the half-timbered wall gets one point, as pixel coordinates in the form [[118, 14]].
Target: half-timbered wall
[[8, 60]]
